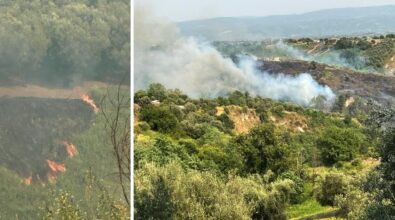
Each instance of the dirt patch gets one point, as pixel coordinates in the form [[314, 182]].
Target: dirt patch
[[291, 121], [244, 119]]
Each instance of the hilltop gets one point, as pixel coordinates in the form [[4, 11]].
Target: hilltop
[[331, 22]]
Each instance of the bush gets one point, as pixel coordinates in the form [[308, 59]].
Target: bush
[[343, 43], [333, 184], [352, 204], [159, 118], [237, 98], [298, 189], [339, 144], [157, 91], [263, 149]]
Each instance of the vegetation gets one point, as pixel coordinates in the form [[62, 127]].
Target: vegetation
[[88, 189], [271, 171], [63, 42]]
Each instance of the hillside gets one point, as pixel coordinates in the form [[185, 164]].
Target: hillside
[[56, 158], [343, 81], [34, 130], [296, 162], [344, 22]]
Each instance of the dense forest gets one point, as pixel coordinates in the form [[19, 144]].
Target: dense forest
[[64, 42], [244, 157], [60, 154]]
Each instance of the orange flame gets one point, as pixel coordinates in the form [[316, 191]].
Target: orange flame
[[56, 167], [90, 102], [28, 181], [71, 149]]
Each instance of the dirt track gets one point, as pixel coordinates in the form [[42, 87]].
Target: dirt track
[[45, 92]]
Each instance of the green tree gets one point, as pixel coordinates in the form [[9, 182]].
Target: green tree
[[263, 149], [159, 118], [339, 144]]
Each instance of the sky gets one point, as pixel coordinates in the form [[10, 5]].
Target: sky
[[183, 10]]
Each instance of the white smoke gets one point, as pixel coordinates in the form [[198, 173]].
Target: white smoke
[[300, 89], [329, 57], [163, 56]]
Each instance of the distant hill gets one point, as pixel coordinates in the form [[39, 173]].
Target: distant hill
[[331, 22]]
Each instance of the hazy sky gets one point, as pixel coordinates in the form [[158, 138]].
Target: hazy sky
[[180, 10]]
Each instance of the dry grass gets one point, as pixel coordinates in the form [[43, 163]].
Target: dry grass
[[291, 121]]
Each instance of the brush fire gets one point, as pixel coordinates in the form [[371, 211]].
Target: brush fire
[[71, 149], [54, 169], [90, 102]]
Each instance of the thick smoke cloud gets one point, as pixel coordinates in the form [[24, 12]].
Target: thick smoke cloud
[[162, 55]]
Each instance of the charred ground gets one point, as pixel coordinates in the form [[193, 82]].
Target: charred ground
[[343, 81]]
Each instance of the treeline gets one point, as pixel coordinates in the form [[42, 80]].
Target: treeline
[[189, 160], [64, 41]]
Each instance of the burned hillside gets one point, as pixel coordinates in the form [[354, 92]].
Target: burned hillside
[[35, 134], [343, 81]]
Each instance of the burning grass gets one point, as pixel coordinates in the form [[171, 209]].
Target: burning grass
[[33, 133]]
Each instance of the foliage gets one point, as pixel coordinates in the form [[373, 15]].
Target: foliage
[[171, 166], [263, 149], [353, 203], [343, 43], [159, 118], [63, 42], [171, 192], [333, 184], [297, 194], [339, 144]]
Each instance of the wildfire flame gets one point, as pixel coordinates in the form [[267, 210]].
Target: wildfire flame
[[71, 149], [28, 181], [90, 102], [56, 167]]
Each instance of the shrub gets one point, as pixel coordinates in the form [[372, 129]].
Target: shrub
[[237, 98], [339, 144], [157, 91], [298, 189], [159, 118], [333, 184], [263, 149], [343, 43]]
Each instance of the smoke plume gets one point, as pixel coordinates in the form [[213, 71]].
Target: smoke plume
[[162, 55], [328, 57]]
